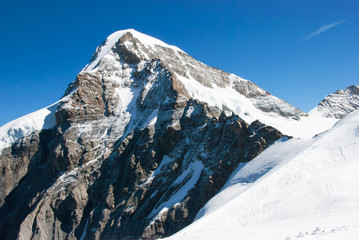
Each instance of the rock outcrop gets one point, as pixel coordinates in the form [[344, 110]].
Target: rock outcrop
[[339, 104]]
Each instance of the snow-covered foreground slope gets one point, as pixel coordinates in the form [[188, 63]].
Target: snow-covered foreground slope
[[306, 189], [21, 127]]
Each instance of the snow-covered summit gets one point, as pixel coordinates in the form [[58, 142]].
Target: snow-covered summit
[[129, 49], [110, 42], [338, 104]]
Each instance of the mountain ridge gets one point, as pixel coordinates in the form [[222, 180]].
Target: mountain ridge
[[339, 103]]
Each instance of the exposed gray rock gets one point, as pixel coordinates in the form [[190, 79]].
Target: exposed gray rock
[[340, 103]]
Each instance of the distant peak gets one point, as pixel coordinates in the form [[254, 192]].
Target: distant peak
[[351, 90], [339, 104], [354, 89]]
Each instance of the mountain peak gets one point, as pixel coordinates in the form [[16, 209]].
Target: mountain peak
[[353, 89], [143, 38], [339, 104], [127, 53], [147, 42]]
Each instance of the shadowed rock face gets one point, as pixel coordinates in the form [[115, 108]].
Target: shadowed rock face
[[132, 154]]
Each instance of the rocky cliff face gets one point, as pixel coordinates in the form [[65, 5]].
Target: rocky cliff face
[[135, 150], [339, 104]]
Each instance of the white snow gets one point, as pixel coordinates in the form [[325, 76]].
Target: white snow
[[165, 161], [24, 126], [305, 127], [193, 172], [307, 189], [189, 111], [111, 40], [151, 120]]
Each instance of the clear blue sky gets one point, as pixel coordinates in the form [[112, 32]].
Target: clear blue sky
[[299, 50]]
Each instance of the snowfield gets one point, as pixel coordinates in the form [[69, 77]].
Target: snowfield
[[296, 189]]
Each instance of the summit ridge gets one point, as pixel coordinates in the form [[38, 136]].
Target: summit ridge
[[109, 43]]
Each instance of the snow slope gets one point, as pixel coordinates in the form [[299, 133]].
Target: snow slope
[[296, 189], [303, 127], [21, 127]]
